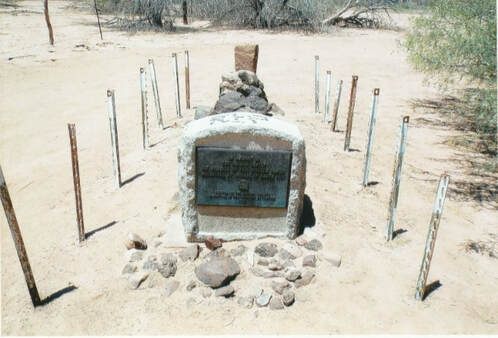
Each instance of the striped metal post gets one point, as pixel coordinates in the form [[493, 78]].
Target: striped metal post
[[431, 236], [371, 132], [317, 85], [398, 165], [18, 241], [177, 84], [76, 181], [352, 102], [187, 79], [111, 105], [326, 114], [336, 105], [155, 91], [145, 121]]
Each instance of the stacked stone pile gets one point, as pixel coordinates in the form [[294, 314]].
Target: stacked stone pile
[[268, 275]]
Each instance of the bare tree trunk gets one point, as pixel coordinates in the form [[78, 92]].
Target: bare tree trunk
[[98, 19], [49, 25], [333, 18], [184, 7]]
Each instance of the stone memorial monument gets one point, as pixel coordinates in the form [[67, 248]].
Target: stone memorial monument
[[241, 176]]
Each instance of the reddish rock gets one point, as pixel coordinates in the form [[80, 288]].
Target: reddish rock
[[246, 57], [212, 243]]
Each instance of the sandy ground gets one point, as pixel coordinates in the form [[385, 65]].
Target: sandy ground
[[44, 88]]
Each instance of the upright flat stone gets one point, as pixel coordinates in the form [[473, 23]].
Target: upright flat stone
[[246, 57], [241, 176]]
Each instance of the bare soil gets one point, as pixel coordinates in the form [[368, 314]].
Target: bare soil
[[43, 88]]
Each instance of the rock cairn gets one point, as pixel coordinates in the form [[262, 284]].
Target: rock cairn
[[273, 271]]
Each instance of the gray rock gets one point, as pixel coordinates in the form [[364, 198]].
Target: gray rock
[[151, 263], [254, 291], [274, 265], [248, 77], [190, 253], [229, 101], [285, 255], [224, 291], [201, 111], [246, 302], [238, 251], [206, 293], [218, 271], [133, 255], [167, 268], [263, 261], [294, 250], [276, 303], [220, 252], [288, 297], [280, 286], [313, 245], [305, 279], [135, 241], [309, 260], [274, 109], [263, 300], [266, 249], [292, 274], [129, 268], [258, 272], [191, 285], [288, 264], [170, 287], [138, 278], [257, 103]]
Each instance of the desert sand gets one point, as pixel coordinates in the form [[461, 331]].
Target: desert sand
[[43, 88]]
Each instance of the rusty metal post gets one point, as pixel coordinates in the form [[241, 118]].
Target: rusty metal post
[[177, 85], [352, 101], [155, 91], [336, 105], [187, 79], [317, 85], [398, 165], [76, 181], [145, 121], [47, 20], [98, 19], [18, 242], [111, 104], [326, 114], [431, 236], [371, 132]]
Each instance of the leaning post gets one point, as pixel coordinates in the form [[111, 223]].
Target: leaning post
[[155, 91], [398, 165], [177, 85], [187, 79], [76, 180], [371, 132], [317, 85], [431, 236], [326, 114], [18, 242], [336, 105], [352, 101], [111, 105], [145, 121]]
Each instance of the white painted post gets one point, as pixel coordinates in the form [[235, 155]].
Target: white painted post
[[398, 165], [177, 85], [145, 121], [336, 105], [317, 85], [431, 236], [155, 91], [111, 108], [326, 114], [371, 132]]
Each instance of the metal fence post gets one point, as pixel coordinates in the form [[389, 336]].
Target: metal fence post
[[352, 101], [145, 122], [336, 105], [371, 132], [431, 236], [398, 164], [187, 79], [177, 85], [155, 91], [76, 181], [326, 114], [114, 136], [317, 85], [18, 241]]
